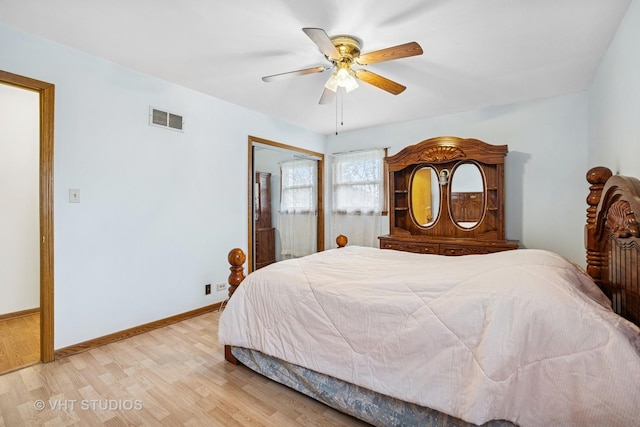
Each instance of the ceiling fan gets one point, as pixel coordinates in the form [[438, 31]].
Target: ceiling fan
[[343, 52]]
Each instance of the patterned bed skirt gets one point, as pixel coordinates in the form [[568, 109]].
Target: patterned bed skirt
[[364, 404]]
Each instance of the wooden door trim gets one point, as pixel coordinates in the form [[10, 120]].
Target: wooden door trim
[[47, 104]]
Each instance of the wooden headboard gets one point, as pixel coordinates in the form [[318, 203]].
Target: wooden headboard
[[612, 239]]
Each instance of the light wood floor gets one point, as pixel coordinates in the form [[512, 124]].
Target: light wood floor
[[19, 342], [172, 376]]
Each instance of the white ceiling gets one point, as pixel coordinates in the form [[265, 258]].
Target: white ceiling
[[476, 53]]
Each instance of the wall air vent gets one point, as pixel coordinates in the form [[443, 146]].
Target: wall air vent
[[165, 119]]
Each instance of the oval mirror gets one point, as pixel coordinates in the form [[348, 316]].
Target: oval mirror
[[467, 195], [425, 196]]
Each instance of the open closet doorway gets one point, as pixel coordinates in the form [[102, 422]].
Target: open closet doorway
[[27, 281], [280, 231]]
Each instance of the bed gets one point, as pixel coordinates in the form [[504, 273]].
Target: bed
[[521, 337]]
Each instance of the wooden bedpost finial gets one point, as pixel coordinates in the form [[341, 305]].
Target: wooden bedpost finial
[[236, 259], [597, 177], [342, 241]]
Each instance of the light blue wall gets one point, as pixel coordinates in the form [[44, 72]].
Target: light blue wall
[[614, 101], [159, 209]]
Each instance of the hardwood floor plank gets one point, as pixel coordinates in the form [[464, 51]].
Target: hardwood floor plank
[[176, 375], [19, 341]]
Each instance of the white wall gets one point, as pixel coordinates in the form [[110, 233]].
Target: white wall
[[614, 101], [19, 199], [159, 210], [545, 167]]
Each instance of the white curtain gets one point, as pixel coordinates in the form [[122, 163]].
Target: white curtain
[[358, 196], [297, 216]]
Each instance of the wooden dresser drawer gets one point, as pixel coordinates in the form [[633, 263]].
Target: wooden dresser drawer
[[450, 247], [418, 248], [462, 250]]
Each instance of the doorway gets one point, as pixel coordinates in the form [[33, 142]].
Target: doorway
[[264, 158], [45, 106]]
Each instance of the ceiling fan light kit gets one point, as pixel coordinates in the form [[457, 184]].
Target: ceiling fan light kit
[[342, 77], [343, 52]]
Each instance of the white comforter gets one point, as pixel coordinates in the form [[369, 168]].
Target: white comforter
[[522, 335]]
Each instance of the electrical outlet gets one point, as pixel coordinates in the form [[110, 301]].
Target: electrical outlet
[[221, 287], [207, 289]]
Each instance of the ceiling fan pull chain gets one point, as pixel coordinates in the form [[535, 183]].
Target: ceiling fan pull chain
[[338, 94], [341, 110]]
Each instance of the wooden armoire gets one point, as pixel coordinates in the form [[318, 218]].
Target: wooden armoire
[[265, 242], [432, 206]]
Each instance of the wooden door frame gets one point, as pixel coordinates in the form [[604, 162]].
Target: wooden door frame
[[251, 180], [47, 104]]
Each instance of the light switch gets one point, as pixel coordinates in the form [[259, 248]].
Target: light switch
[[74, 195]]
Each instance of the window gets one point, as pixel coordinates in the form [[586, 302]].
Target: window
[[358, 182], [297, 218], [359, 196], [298, 186]]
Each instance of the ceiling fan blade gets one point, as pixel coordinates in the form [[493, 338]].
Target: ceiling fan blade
[[320, 38], [327, 96], [379, 81], [395, 52], [289, 74]]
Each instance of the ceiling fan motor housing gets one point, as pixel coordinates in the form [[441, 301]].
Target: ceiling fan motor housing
[[348, 46]]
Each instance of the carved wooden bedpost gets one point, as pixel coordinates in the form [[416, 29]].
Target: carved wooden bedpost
[[341, 241], [236, 259], [597, 177]]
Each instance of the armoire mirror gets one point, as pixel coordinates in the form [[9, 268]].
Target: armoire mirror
[[466, 198], [425, 196], [265, 226]]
